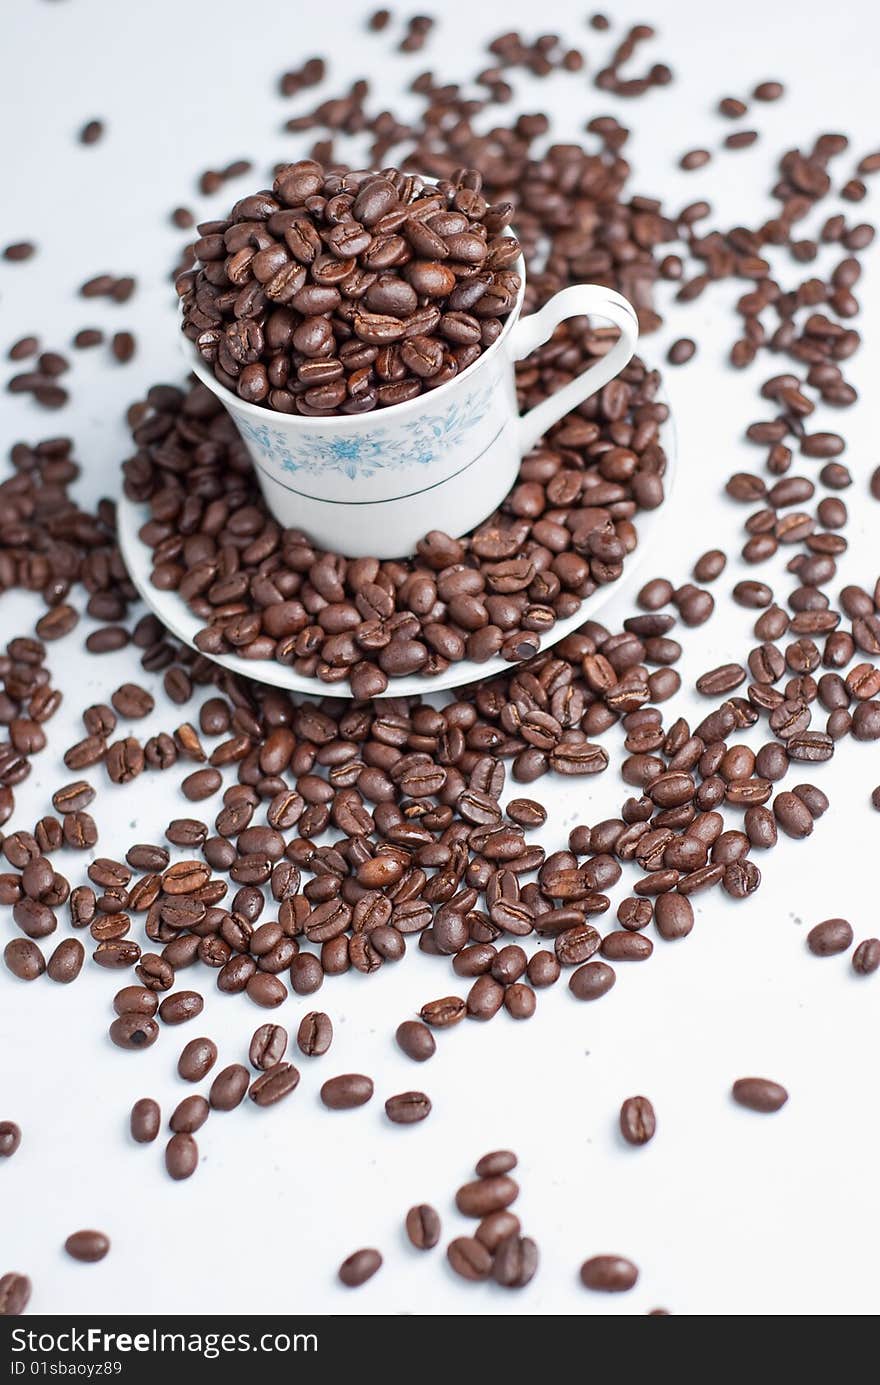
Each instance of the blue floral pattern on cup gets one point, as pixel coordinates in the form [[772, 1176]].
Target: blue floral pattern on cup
[[360, 454]]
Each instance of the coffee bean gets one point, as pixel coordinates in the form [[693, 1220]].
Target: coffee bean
[[416, 1040], [610, 1274], [73, 797], [792, 815], [145, 1120], [132, 701], [516, 1262], [135, 1000], [768, 91], [486, 1195], [189, 1115], [202, 783], [423, 1226], [10, 1139], [347, 1091], [268, 1046], [274, 1084], [180, 1006], [15, 1293], [684, 349], [440, 1014], [229, 1087], [24, 959], [359, 1267], [407, 1108], [637, 1120], [181, 1156], [759, 1094], [134, 1031], [315, 1034], [469, 1258], [196, 1059], [65, 963], [87, 1246], [832, 936], [497, 1162], [91, 132], [866, 958], [520, 1001], [591, 981]]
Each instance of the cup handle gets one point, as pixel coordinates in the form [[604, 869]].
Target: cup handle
[[531, 331]]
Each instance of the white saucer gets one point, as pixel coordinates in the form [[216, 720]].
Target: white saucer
[[174, 613]]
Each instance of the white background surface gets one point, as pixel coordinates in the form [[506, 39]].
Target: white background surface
[[725, 1212]]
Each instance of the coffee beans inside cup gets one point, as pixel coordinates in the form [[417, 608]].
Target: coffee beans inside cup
[[340, 293]]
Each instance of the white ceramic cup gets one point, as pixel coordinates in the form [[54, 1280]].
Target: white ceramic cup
[[376, 483]]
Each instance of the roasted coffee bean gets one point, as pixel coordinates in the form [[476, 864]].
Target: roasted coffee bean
[[792, 815], [423, 1226], [759, 1094], [24, 959], [416, 1040], [132, 701], [134, 1031], [610, 1274], [498, 1161], [347, 1091], [189, 1115], [73, 797], [274, 1084], [486, 1195], [145, 1120], [229, 1087], [65, 963], [516, 1262], [10, 1139], [268, 1046], [832, 936], [87, 1246], [202, 783], [684, 349], [181, 1006], [407, 1108], [673, 916], [197, 1059], [866, 958], [15, 1293], [359, 1267], [543, 969], [440, 1014], [591, 981], [637, 1120], [181, 1156], [469, 1258], [315, 1034]]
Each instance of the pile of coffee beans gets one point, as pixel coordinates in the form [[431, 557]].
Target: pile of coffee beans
[[340, 293], [497, 1250]]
